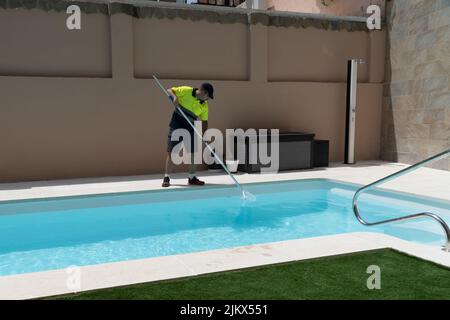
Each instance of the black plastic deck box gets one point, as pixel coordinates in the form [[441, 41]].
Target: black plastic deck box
[[295, 151], [321, 153]]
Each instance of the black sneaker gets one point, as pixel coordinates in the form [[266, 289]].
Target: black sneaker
[[195, 182], [166, 182]]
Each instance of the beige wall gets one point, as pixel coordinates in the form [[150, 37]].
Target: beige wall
[[224, 57], [36, 43], [291, 53], [416, 112], [88, 108]]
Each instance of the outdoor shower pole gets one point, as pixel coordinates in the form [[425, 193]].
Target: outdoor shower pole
[[352, 83]]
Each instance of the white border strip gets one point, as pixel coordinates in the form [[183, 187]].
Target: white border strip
[[54, 282]]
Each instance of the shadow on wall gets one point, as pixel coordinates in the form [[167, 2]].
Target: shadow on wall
[[388, 137]]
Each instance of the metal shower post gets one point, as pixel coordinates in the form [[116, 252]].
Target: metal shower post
[[350, 126]]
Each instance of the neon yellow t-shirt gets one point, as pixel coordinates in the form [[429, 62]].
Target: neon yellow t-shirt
[[191, 103]]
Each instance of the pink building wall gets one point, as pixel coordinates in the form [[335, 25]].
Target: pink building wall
[[335, 7]]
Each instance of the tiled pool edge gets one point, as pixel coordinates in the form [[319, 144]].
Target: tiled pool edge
[[54, 282]]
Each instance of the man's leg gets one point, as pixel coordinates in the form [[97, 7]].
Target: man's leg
[[192, 169], [168, 171], [166, 181], [168, 165]]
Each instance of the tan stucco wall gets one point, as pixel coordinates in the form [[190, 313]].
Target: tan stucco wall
[[36, 43], [80, 103]]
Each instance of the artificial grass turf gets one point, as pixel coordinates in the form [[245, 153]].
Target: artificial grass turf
[[338, 277]]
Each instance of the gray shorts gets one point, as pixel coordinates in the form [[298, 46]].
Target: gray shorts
[[171, 144], [178, 122]]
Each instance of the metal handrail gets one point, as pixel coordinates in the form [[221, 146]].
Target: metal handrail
[[441, 221]]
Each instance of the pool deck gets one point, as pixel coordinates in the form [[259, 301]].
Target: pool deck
[[427, 182]]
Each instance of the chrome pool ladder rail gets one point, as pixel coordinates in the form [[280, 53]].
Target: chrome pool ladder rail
[[402, 172]]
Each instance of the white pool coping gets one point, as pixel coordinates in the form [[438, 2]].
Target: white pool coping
[[54, 282], [427, 182]]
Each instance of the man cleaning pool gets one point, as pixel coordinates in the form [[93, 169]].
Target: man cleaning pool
[[194, 104]]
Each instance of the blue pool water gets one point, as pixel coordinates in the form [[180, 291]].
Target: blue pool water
[[56, 233]]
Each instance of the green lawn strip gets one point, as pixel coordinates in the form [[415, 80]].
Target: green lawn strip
[[337, 277]]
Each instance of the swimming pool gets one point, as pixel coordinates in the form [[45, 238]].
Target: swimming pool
[[38, 235]]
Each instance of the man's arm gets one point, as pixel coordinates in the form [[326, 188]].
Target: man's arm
[[174, 97]]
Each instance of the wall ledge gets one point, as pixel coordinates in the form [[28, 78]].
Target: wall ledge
[[156, 10]]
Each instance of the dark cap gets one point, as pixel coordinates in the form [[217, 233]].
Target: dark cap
[[208, 88]]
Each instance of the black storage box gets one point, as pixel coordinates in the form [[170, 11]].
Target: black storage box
[[295, 151], [321, 153]]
